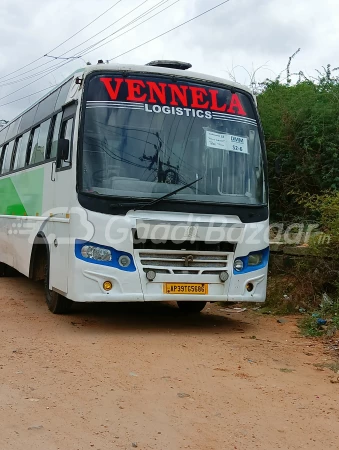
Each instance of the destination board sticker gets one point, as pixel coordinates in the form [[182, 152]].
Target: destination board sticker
[[237, 144], [227, 142], [216, 140]]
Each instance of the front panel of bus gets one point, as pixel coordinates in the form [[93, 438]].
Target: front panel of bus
[[142, 137]]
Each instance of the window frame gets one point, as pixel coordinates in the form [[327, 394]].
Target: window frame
[[16, 150], [29, 153], [28, 150], [69, 112], [51, 135], [63, 122], [46, 148], [29, 145], [4, 156]]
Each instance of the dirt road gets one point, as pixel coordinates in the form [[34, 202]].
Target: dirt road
[[142, 376]]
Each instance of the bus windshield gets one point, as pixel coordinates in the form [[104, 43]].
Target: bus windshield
[[145, 136]]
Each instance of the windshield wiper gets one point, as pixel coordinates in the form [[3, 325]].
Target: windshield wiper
[[142, 205], [170, 194]]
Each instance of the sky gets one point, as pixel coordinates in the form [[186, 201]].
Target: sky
[[233, 41]]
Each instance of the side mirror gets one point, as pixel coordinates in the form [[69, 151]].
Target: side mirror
[[62, 151]]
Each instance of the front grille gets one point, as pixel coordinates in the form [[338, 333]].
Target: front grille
[[196, 246], [192, 263]]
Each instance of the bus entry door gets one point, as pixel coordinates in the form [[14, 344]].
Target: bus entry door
[[61, 176]]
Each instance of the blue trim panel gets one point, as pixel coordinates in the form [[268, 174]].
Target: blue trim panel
[[115, 256], [247, 269]]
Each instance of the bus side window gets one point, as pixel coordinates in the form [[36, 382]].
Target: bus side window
[[67, 133], [14, 153], [39, 144], [34, 144], [6, 166], [21, 149], [55, 136]]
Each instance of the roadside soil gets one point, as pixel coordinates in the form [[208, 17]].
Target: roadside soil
[[144, 376]]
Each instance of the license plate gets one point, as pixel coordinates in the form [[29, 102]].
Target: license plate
[[186, 288]]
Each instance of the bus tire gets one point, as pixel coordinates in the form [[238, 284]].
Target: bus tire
[[56, 303], [191, 307]]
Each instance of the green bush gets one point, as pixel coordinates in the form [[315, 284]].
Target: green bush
[[325, 207], [301, 126], [299, 283]]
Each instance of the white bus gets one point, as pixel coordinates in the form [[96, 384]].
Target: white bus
[[137, 183]]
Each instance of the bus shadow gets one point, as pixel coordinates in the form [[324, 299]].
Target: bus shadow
[[148, 317], [153, 317]]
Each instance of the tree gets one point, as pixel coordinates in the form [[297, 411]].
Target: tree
[[301, 126]]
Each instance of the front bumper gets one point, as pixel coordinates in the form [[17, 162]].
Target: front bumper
[[86, 285]]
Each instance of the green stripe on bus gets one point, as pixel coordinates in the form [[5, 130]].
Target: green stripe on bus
[[21, 193], [10, 202]]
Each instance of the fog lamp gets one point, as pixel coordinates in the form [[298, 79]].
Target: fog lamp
[[150, 275], [223, 276]]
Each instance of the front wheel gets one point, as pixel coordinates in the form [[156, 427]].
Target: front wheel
[[191, 307], [56, 303]]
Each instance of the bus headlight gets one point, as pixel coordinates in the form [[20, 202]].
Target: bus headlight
[[238, 265], [254, 259], [99, 254], [96, 253]]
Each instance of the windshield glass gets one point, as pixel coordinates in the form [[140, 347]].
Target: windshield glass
[[144, 137]]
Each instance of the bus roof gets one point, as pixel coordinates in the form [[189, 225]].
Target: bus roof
[[164, 71], [141, 69]]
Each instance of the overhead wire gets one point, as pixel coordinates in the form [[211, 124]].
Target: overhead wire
[[29, 84], [66, 40], [58, 66], [122, 34], [76, 56], [169, 31], [47, 71], [81, 53], [82, 29], [134, 48], [158, 5], [109, 26], [33, 93]]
